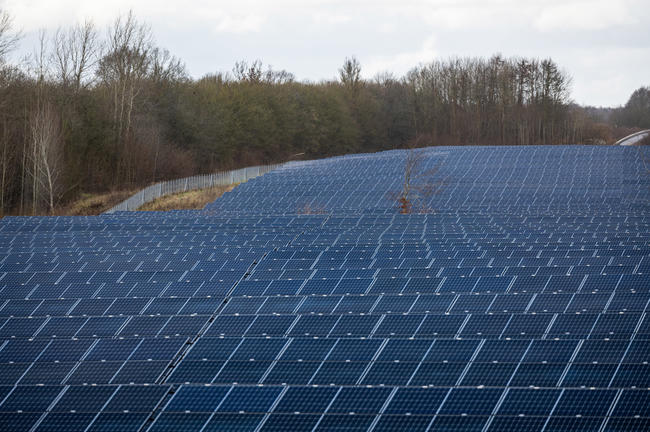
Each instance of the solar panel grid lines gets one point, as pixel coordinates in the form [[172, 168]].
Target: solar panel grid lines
[[519, 304]]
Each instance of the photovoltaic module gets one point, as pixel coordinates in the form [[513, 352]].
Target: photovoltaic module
[[516, 299]]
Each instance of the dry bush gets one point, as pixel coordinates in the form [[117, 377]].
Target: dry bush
[[418, 185], [598, 134], [310, 209]]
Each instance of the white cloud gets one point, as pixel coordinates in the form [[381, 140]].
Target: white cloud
[[584, 15], [31, 15], [609, 82], [461, 17], [323, 17], [400, 63], [227, 22]]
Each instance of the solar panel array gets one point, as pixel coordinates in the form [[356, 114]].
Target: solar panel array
[[303, 301]]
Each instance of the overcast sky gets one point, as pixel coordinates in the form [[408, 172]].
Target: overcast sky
[[603, 44]]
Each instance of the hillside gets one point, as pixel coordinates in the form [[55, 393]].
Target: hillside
[[515, 299]]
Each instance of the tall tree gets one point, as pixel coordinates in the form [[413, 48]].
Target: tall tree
[[8, 38], [47, 162], [350, 75], [122, 70], [74, 54]]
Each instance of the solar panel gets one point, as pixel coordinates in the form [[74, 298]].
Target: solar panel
[[517, 301]]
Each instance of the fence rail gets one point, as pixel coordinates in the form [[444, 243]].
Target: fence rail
[[190, 183], [633, 138]]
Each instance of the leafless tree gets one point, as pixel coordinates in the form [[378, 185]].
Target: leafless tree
[[45, 141], [419, 184], [311, 209], [8, 38], [122, 70], [74, 54], [278, 76], [46, 154], [165, 67], [253, 72]]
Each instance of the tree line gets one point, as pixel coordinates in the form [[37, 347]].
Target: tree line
[[92, 111], [636, 112]]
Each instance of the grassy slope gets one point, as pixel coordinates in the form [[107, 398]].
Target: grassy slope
[[196, 199], [93, 204]]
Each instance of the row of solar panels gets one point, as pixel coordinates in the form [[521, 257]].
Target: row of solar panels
[[552, 247], [415, 324], [466, 266], [562, 265], [205, 223], [528, 303], [479, 279], [315, 349], [217, 408], [196, 223], [333, 373]]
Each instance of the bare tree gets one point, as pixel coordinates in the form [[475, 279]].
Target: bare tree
[[8, 38], [165, 67], [255, 73], [122, 70], [311, 209], [278, 76], [40, 70], [46, 154], [74, 54], [45, 150], [252, 73], [418, 184]]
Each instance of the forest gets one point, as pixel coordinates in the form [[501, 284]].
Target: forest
[[96, 110]]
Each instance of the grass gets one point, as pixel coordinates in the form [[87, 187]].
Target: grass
[[192, 200], [93, 204]]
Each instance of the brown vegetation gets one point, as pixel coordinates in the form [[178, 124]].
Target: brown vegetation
[[311, 209], [191, 200], [92, 204], [419, 184]]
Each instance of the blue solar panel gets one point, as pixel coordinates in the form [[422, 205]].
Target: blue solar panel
[[518, 303]]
